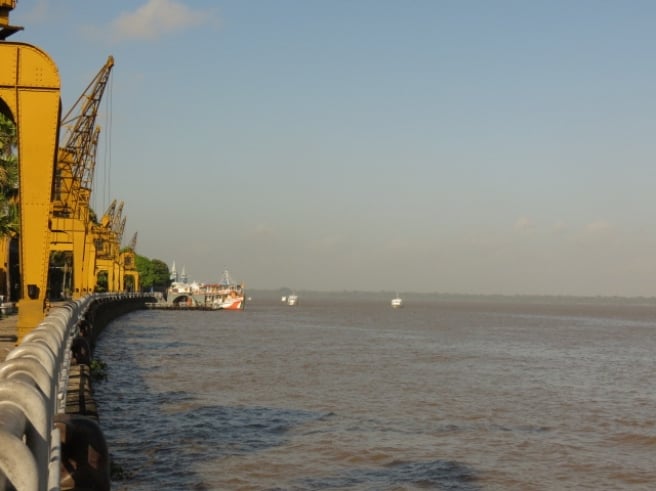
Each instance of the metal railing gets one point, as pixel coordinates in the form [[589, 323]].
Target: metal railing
[[33, 386], [33, 392], [33, 382]]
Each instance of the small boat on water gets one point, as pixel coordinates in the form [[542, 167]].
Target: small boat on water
[[397, 302], [292, 299]]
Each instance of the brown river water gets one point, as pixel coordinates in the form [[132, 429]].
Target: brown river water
[[338, 394]]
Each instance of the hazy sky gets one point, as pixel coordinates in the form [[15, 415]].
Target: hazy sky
[[435, 146]]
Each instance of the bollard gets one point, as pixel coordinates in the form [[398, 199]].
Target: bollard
[[84, 454]]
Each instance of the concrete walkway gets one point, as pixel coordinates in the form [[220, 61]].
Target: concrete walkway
[[8, 334]]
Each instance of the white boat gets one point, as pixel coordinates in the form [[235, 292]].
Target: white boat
[[292, 299], [397, 302]]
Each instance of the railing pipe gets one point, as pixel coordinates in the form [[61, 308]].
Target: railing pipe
[[31, 402], [33, 384], [37, 351], [54, 466], [17, 463], [30, 370]]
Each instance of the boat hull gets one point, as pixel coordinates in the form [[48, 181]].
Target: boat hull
[[232, 304]]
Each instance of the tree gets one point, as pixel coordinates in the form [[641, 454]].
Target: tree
[[9, 219], [8, 178], [153, 273]]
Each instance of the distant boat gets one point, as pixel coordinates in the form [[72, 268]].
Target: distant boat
[[225, 295], [292, 299], [230, 294], [397, 302]]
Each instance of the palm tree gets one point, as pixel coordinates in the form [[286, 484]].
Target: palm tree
[[9, 220]]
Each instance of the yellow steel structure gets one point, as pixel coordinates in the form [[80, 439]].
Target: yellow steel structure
[[129, 266], [70, 220], [30, 89], [107, 242], [55, 184], [7, 30]]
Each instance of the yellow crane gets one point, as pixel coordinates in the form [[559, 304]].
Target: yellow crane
[[107, 236], [6, 29], [30, 96], [73, 181], [130, 275], [54, 184]]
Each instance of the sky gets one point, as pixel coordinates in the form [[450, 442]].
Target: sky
[[474, 146]]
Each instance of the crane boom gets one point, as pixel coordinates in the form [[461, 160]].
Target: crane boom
[[76, 158]]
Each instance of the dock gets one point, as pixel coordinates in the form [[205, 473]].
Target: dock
[[177, 306]]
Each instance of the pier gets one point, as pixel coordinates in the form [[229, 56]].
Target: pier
[[50, 438]]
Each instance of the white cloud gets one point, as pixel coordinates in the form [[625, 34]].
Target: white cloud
[[524, 223], [261, 232], [598, 226], [397, 245], [156, 19], [329, 243], [41, 12], [560, 226]]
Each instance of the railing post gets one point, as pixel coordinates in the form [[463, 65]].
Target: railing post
[[32, 404], [17, 463]]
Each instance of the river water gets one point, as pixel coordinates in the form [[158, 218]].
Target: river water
[[354, 395]]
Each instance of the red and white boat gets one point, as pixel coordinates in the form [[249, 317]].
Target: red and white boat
[[229, 295]]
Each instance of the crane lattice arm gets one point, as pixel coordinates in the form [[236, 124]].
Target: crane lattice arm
[[108, 217], [120, 231], [77, 153], [116, 221], [133, 242]]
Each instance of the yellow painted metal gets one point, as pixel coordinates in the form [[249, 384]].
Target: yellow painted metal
[[6, 29], [5, 7], [4, 261], [73, 180], [68, 228], [129, 270], [107, 241], [30, 87], [88, 284]]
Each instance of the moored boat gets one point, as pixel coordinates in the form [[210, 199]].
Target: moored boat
[[397, 302], [292, 299], [225, 295], [230, 294]]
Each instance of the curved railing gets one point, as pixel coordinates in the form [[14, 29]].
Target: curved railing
[[33, 385]]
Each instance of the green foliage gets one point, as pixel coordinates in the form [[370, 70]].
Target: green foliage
[[153, 273], [8, 177], [116, 471], [98, 370], [102, 282]]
